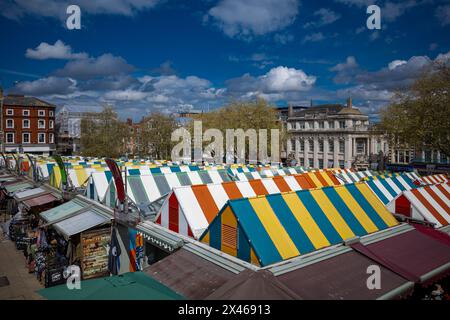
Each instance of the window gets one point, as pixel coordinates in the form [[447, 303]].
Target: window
[[341, 146], [331, 124], [302, 125], [41, 137], [360, 147], [311, 146], [302, 145], [341, 164], [320, 163], [25, 138], [41, 113], [302, 162], [50, 124], [26, 123], [321, 125], [321, 145], [41, 124], [9, 123], [311, 162], [51, 113], [331, 146], [342, 124], [9, 137], [51, 138], [9, 112], [311, 124], [26, 113]]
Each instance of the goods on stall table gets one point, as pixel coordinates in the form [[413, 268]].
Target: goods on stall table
[[95, 253]]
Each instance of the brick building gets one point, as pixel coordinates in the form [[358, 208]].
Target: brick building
[[28, 125]]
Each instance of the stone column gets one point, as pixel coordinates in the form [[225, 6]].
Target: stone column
[[348, 152], [297, 149], [336, 152], [316, 152], [325, 152], [305, 152]]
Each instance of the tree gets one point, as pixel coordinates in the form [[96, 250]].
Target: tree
[[103, 135], [255, 115], [420, 117], [155, 135]]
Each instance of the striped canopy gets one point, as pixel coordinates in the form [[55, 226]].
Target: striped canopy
[[145, 189], [269, 229], [430, 203], [433, 179], [351, 177], [390, 188], [189, 210]]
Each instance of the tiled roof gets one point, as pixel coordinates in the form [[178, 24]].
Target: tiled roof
[[19, 100]]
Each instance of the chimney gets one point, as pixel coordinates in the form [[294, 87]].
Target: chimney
[[290, 111], [349, 103]]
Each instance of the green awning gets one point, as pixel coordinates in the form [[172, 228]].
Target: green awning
[[17, 186], [61, 211], [129, 286]]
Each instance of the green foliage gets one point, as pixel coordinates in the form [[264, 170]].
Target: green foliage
[[420, 117], [154, 137], [103, 135]]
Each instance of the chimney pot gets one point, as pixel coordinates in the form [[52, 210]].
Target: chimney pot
[[290, 111], [349, 103]]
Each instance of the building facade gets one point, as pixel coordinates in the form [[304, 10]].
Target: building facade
[[332, 136], [28, 125], [69, 126]]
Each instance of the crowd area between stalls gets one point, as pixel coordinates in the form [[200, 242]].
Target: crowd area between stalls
[[201, 231]]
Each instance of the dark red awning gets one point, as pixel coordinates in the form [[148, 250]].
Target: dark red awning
[[40, 200], [416, 253]]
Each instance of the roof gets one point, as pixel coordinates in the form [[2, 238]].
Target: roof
[[81, 222], [190, 209], [251, 285], [390, 188], [420, 254], [433, 179], [189, 274], [341, 277], [432, 203], [128, 286], [20, 100], [281, 226]]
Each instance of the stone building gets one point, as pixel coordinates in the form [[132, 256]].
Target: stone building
[[332, 136]]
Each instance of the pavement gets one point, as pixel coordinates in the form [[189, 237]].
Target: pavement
[[22, 285]]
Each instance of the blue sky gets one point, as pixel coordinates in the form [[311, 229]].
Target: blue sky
[[167, 55]]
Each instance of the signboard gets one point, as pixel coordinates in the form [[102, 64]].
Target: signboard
[[94, 245]]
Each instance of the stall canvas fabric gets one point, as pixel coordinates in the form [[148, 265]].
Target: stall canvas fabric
[[98, 185], [269, 229], [430, 203], [434, 179], [146, 189], [188, 210], [389, 188], [351, 177]]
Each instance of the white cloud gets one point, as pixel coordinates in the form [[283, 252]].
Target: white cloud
[[16, 9], [394, 64], [323, 17], [104, 65], [46, 86], [314, 37], [59, 50], [248, 18]]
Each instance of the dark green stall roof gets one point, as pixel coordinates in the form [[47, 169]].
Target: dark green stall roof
[[129, 286]]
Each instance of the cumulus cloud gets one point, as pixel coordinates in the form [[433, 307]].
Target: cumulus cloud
[[104, 65], [46, 86], [16, 9], [345, 71], [274, 85], [58, 50], [248, 18], [394, 64]]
